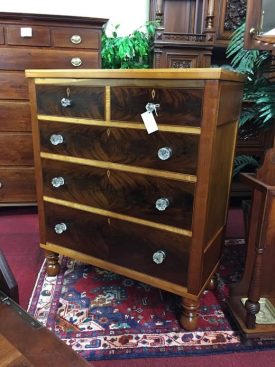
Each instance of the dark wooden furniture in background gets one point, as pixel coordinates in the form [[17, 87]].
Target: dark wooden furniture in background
[[23, 340], [257, 284], [149, 206], [34, 41]]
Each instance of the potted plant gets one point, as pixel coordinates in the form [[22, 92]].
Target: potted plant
[[133, 51], [259, 90]]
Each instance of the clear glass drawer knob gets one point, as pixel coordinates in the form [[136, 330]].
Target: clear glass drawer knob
[[66, 102], [76, 61], [76, 39], [162, 204], [164, 153], [56, 139], [60, 228], [58, 181], [159, 257]]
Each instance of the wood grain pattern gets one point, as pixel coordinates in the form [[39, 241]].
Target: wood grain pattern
[[177, 106], [12, 178], [15, 149], [13, 85], [125, 146], [86, 102], [61, 37], [40, 36], [128, 245], [129, 194], [1, 35], [15, 116], [26, 58]]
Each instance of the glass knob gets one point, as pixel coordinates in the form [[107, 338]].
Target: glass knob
[[1, 185], [76, 39], [58, 181], [164, 153], [66, 102], [56, 139], [159, 257], [76, 61], [162, 204], [60, 228]]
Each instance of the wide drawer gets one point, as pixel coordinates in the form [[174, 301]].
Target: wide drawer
[[76, 38], [177, 106], [84, 101], [16, 149], [126, 244], [13, 85], [151, 198], [163, 151], [15, 116], [38, 36], [17, 184], [32, 58]]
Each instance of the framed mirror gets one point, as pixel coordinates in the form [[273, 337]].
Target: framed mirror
[[260, 25]]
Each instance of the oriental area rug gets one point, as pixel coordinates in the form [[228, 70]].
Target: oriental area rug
[[103, 315]]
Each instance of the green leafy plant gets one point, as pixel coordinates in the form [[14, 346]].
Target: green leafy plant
[[133, 51], [259, 90]]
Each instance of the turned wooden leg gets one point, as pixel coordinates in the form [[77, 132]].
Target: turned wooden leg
[[212, 285], [252, 308], [189, 317], [52, 263]]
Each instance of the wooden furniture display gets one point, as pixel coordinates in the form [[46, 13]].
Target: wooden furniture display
[[24, 341], [34, 41], [185, 36], [252, 300], [149, 206]]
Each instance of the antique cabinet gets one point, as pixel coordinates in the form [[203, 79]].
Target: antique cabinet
[[149, 206], [34, 41]]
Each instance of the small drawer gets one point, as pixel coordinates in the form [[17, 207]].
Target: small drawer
[[17, 185], [76, 38], [172, 152], [15, 116], [2, 40], [154, 252], [13, 85], [151, 198], [71, 101], [28, 35], [16, 149], [175, 106]]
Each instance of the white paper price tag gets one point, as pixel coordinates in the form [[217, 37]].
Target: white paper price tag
[[149, 122], [26, 32]]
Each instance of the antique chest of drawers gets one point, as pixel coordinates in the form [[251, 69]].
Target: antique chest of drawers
[[34, 41], [149, 206]]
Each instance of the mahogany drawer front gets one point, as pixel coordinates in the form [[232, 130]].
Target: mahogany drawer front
[[15, 116], [119, 242], [1, 35], [17, 184], [85, 101], [123, 146], [32, 58], [40, 36], [177, 106], [76, 38], [13, 85], [140, 196], [16, 149]]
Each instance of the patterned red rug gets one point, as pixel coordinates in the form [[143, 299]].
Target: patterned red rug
[[103, 315]]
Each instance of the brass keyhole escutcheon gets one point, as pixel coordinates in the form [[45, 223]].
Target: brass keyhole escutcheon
[[68, 92], [108, 173], [109, 221], [108, 132], [153, 94]]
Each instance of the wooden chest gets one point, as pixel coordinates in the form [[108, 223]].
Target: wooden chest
[[149, 206], [34, 41]]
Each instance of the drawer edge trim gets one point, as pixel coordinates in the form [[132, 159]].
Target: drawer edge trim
[[114, 215]]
